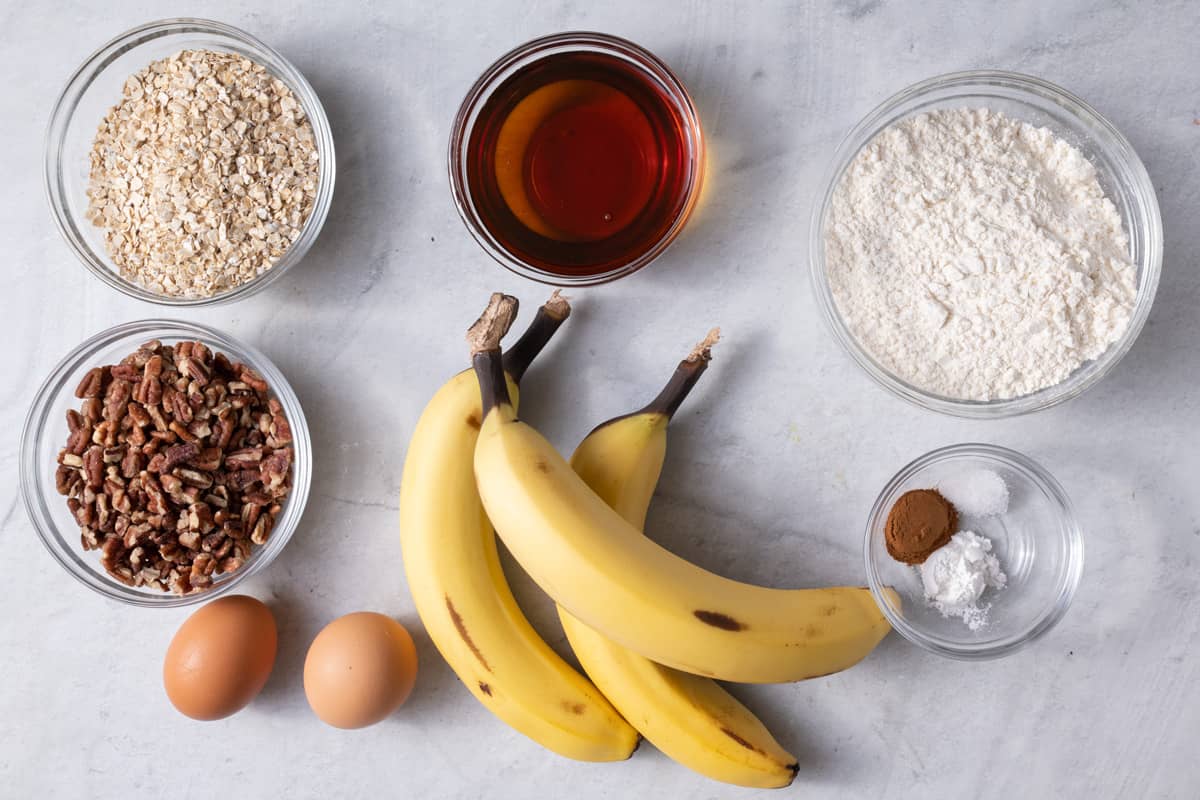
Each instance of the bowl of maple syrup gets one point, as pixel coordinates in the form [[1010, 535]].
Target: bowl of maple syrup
[[576, 159]]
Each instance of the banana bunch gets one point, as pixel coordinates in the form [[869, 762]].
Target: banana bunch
[[688, 717], [652, 630], [460, 590]]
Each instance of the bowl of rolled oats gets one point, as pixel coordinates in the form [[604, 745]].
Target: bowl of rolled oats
[[162, 463], [188, 163]]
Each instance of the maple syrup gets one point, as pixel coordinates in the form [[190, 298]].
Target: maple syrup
[[582, 164]]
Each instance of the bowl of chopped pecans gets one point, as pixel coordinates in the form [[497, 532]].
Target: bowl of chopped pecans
[[162, 463], [188, 163]]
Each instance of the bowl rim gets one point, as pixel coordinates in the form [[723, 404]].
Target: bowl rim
[[1068, 580], [529, 52], [1102, 133], [33, 483], [63, 113]]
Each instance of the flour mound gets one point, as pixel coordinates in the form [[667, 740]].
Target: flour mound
[[976, 256]]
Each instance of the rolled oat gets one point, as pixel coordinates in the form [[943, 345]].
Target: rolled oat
[[203, 175]]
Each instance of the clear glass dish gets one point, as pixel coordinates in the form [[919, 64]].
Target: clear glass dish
[[96, 87], [1038, 543], [45, 433], [495, 76], [1120, 172]]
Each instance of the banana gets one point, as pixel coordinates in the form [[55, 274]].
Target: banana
[[689, 718], [458, 586], [602, 569]]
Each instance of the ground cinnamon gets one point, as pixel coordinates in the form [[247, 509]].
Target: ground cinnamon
[[920, 522]]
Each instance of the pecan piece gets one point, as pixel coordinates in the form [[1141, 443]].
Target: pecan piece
[[63, 478], [192, 477], [251, 378], [262, 529], [275, 469], [179, 454], [125, 372], [93, 466], [247, 458], [90, 409], [92, 383], [195, 369], [116, 398]]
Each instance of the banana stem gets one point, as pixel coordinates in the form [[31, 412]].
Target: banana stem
[[493, 323], [493, 388], [484, 337], [684, 378], [546, 322]]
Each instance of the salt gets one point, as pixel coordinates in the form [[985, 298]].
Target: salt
[[976, 493], [956, 575]]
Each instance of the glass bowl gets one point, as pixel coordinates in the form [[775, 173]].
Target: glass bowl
[[1119, 170], [96, 87], [494, 79], [45, 433], [1038, 543]]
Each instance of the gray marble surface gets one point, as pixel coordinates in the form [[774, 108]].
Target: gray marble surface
[[772, 469]]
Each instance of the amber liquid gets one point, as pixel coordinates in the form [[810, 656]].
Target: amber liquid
[[579, 164]]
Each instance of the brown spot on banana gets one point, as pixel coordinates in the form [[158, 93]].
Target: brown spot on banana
[[575, 708], [733, 735], [542, 466], [459, 626], [485, 688], [718, 620], [474, 421]]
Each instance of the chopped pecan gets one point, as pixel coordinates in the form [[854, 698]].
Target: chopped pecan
[[175, 465], [247, 458], [116, 398], [183, 433], [125, 372], [179, 454], [190, 539], [250, 377], [63, 478], [192, 477], [92, 384], [91, 409], [275, 470], [181, 408], [262, 529], [131, 464], [194, 369], [229, 564], [93, 466]]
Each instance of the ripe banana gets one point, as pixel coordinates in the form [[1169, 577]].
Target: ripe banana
[[605, 572], [460, 591], [689, 718]]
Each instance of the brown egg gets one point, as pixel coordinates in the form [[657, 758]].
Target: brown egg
[[359, 669], [220, 658]]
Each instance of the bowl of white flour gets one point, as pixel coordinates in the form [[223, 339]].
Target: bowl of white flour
[[986, 244]]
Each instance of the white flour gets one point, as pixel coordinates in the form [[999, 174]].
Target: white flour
[[976, 256]]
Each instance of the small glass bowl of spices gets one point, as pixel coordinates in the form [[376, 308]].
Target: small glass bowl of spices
[[162, 463], [576, 159], [188, 163], [981, 544]]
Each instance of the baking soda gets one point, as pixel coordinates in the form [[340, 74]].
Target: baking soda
[[955, 577]]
